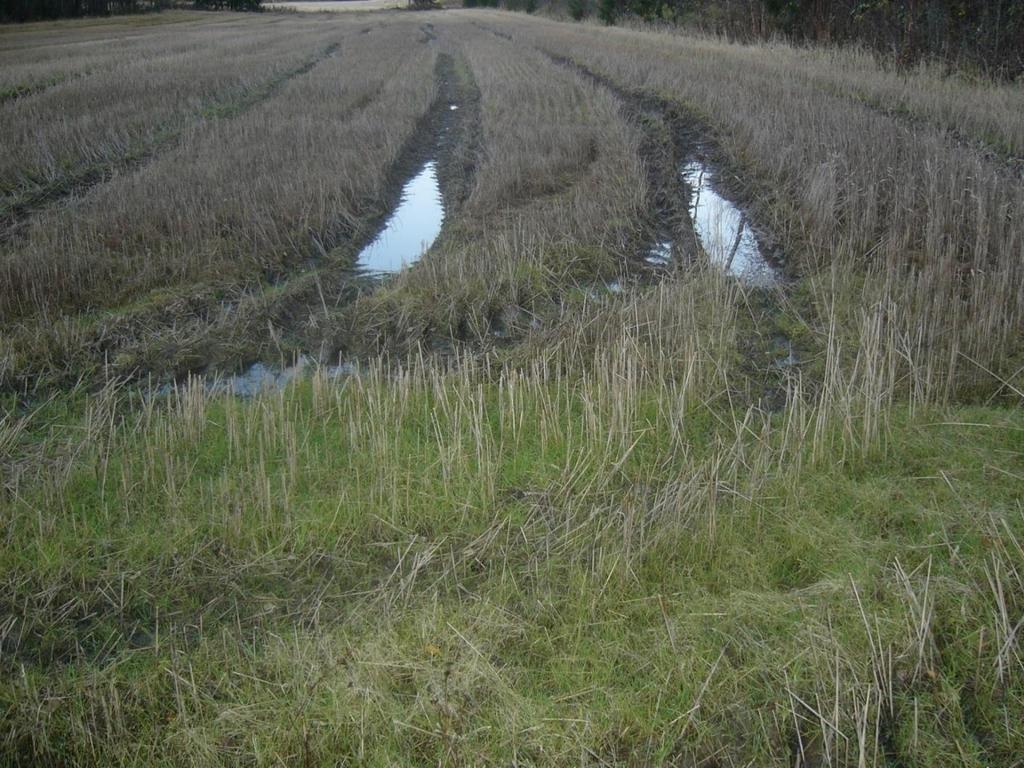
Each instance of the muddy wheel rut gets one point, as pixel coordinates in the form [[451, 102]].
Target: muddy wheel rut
[[668, 235], [431, 141], [296, 321], [672, 136], [282, 313], [289, 313], [663, 146], [675, 142], [289, 316]]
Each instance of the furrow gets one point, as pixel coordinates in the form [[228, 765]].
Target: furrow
[[19, 207]]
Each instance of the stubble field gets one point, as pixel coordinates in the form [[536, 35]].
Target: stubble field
[[693, 438]]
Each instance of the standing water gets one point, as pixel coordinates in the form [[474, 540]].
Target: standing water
[[260, 377], [660, 253], [723, 229], [408, 232], [411, 229]]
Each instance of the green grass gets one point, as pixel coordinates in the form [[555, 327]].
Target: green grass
[[447, 568]]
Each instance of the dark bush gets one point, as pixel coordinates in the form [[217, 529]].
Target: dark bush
[[27, 10], [986, 35], [231, 5]]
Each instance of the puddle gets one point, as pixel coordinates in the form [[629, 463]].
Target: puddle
[[260, 377], [660, 254], [602, 291], [789, 359], [723, 229], [411, 229]]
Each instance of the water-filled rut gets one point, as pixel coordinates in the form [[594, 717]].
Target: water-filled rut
[[411, 228], [691, 214], [724, 230], [695, 216], [428, 183]]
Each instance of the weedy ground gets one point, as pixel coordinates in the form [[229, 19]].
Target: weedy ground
[[573, 508]]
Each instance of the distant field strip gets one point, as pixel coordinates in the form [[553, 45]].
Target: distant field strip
[[995, 140], [76, 181], [972, 110], [337, 6], [36, 187], [122, 98]]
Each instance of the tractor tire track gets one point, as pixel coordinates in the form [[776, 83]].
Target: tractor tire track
[[276, 316], [768, 354], [664, 144], [23, 91]]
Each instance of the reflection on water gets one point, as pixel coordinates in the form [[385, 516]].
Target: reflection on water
[[408, 233], [723, 229], [789, 358], [411, 229], [660, 253], [260, 377], [255, 380]]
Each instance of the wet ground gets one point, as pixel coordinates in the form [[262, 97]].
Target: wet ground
[[411, 228], [693, 215], [261, 377], [723, 229]]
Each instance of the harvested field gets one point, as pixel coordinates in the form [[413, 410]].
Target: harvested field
[[337, 6], [464, 387]]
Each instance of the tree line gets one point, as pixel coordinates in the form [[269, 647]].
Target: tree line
[[981, 34], [31, 10], [25, 10]]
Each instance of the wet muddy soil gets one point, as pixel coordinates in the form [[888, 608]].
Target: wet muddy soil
[[699, 211], [411, 229], [691, 214], [429, 184]]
